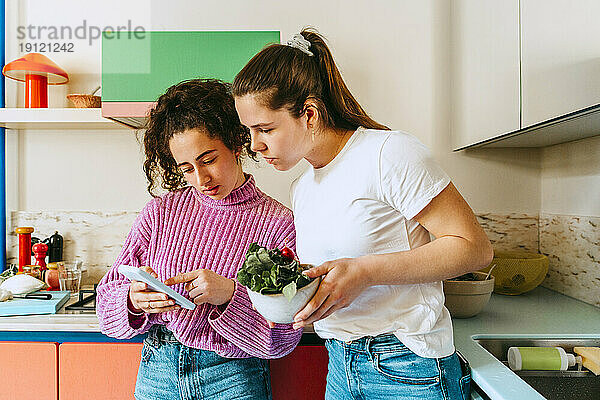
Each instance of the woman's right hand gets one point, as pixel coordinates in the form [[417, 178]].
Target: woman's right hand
[[148, 301]]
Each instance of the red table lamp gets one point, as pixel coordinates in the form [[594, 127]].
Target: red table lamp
[[37, 71]]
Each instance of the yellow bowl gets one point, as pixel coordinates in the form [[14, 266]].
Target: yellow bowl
[[517, 272]]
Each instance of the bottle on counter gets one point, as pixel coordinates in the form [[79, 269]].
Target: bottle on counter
[[50, 276], [55, 247], [540, 358], [24, 233], [40, 250]]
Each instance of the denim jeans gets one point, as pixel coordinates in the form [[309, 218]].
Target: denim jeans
[[382, 367], [170, 370]]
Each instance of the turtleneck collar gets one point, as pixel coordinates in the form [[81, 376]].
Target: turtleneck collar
[[245, 196]]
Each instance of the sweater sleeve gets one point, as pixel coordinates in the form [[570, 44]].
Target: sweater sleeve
[[246, 328], [113, 289]]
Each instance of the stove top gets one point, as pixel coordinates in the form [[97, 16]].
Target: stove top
[[86, 304]]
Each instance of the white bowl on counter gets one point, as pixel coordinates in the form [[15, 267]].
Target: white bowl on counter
[[277, 308]]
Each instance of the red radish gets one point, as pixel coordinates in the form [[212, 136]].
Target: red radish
[[286, 252]]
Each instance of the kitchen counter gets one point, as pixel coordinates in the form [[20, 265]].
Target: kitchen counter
[[65, 321], [62, 321], [541, 313], [75, 360]]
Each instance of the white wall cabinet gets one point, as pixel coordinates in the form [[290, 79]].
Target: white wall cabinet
[[560, 57], [519, 63], [485, 69]]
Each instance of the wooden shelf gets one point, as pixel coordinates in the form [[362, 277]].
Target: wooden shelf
[[56, 119], [577, 125]]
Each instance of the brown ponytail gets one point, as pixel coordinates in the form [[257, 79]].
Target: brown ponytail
[[284, 76]]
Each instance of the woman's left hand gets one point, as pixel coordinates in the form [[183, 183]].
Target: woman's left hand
[[343, 281], [205, 286]]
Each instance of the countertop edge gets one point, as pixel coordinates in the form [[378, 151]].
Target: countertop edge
[[542, 314]]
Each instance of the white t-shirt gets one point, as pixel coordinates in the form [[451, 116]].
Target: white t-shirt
[[363, 202]]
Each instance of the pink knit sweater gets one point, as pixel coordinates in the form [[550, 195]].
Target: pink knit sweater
[[183, 231]]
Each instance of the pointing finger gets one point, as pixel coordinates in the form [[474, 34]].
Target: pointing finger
[[182, 278]]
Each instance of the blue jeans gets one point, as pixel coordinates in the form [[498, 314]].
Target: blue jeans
[[169, 370], [382, 368]]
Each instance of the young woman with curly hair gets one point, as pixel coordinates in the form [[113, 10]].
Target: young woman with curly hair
[[194, 238]]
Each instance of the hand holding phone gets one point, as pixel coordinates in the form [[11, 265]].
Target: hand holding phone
[[160, 298]]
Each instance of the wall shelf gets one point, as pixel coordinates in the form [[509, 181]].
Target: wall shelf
[[56, 119], [577, 125]]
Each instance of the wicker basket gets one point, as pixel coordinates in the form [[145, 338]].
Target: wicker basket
[[85, 100], [517, 272]]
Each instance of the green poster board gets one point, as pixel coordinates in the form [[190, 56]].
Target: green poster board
[[140, 66]]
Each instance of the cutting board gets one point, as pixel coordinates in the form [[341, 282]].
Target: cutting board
[[34, 306]]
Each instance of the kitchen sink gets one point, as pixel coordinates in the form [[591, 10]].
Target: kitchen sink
[[554, 385]]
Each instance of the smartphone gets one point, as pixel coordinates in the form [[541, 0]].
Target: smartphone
[[136, 274]]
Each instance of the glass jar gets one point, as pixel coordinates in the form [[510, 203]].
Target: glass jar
[[32, 270]]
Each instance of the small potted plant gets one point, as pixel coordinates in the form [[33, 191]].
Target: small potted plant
[[468, 294], [276, 285]]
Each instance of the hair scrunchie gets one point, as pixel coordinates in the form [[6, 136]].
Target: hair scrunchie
[[299, 42]]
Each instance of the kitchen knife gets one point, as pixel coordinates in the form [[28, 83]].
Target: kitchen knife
[[37, 296]]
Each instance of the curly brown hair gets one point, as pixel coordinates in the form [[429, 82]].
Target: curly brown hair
[[205, 104]]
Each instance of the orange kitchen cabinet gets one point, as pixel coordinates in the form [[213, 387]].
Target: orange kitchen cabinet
[[300, 375], [28, 370], [98, 370]]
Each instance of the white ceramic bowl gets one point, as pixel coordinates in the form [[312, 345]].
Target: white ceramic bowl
[[277, 308], [465, 299]]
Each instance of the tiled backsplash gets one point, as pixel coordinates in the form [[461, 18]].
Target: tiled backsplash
[[95, 238], [511, 231], [572, 243]]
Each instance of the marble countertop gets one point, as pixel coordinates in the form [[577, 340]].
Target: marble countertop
[[62, 321], [541, 313]]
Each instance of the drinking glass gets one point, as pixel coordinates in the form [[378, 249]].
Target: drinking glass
[[69, 277]]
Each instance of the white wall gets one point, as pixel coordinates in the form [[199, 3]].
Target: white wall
[[71, 170], [394, 56], [571, 178]]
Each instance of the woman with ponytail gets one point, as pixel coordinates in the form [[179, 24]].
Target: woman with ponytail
[[363, 214]]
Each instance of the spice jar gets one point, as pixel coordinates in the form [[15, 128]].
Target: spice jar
[[50, 276], [32, 270]]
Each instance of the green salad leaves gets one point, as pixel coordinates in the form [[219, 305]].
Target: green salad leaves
[[270, 272]]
